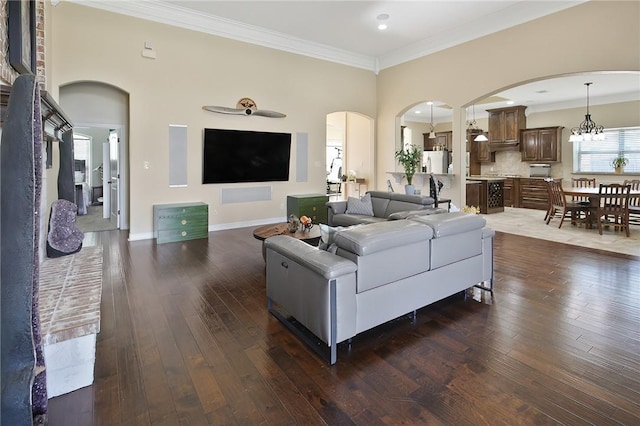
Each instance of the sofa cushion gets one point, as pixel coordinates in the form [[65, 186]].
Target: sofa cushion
[[457, 236], [407, 214], [354, 219], [361, 206], [386, 252], [451, 223], [373, 238]]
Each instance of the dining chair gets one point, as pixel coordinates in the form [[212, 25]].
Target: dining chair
[[563, 208], [583, 183], [613, 208], [634, 202]]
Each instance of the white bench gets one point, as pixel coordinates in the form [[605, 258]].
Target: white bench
[[69, 306]]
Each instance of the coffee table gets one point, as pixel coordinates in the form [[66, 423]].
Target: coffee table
[[312, 236]]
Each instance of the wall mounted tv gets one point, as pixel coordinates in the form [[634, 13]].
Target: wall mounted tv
[[232, 156]]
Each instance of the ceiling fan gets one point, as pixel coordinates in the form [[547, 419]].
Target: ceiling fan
[[245, 106]]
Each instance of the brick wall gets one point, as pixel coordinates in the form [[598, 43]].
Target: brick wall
[[7, 73]]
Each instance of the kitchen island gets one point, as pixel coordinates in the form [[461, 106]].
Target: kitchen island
[[491, 193]]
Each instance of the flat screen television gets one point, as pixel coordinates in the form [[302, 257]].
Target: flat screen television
[[232, 156]]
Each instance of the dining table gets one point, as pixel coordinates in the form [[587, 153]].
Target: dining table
[[593, 194]]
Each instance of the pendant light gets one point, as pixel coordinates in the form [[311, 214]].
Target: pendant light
[[587, 130], [432, 134], [472, 126]]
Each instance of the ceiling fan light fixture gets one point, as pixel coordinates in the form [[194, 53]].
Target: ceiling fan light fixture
[[588, 130]]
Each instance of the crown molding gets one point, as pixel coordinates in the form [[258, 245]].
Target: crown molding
[[180, 17], [511, 16]]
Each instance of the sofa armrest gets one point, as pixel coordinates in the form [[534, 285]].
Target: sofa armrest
[[321, 262], [334, 208]]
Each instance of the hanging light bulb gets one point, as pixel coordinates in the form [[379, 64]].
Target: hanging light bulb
[[587, 130], [472, 126], [432, 134]]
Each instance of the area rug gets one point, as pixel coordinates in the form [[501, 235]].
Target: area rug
[[530, 223]]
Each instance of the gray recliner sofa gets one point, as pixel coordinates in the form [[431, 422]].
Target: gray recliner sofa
[[386, 206], [379, 272]]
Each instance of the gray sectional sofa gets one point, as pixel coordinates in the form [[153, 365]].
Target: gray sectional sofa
[[379, 272], [386, 206]]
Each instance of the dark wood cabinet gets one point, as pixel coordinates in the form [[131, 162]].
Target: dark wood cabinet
[[533, 194], [511, 190], [542, 144], [442, 140], [505, 125], [491, 197], [473, 193], [479, 153]]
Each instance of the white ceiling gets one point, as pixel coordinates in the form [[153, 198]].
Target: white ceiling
[[346, 32]]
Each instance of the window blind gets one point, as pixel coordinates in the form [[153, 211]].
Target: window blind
[[596, 156]]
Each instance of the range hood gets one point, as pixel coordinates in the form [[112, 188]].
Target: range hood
[[504, 146]]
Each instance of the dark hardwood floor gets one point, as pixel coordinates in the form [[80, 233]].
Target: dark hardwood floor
[[186, 340]]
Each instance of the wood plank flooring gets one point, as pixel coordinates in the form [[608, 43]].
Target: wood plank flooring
[[186, 340]]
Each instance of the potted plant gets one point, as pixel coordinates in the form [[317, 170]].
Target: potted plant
[[409, 158], [618, 164]]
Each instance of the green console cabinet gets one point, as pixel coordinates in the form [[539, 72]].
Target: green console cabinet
[[180, 222], [311, 205]]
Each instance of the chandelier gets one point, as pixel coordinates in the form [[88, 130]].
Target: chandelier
[[472, 127], [587, 130], [432, 134]]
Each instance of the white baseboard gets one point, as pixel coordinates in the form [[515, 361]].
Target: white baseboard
[[217, 227]]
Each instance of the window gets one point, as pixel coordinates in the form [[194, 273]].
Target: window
[[81, 155], [596, 156]]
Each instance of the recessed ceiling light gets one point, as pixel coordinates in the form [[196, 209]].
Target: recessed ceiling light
[[510, 102], [429, 103], [418, 111], [382, 27]]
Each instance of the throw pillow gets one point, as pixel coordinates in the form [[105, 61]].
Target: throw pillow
[[362, 206]]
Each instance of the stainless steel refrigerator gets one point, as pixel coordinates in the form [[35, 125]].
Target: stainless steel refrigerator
[[435, 162]]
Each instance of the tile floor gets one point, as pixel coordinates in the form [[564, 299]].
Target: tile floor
[[531, 223]]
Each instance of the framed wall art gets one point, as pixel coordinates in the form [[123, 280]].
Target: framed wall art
[[22, 35]]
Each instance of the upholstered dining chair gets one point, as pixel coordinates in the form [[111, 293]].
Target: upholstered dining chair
[[634, 202], [613, 209], [560, 207]]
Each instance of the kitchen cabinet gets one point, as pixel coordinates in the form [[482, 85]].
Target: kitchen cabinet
[[511, 189], [542, 144], [491, 194], [473, 193], [505, 125], [478, 153], [442, 140], [533, 194]]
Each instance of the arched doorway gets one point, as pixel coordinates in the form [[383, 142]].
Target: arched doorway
[[100, 108], [350, 155]]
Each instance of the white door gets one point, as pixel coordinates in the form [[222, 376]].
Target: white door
[[114, 179]]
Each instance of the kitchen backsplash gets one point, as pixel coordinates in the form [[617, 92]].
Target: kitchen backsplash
[[510, 163]]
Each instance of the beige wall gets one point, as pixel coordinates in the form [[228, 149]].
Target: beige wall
[[550, 46], [191, 70]]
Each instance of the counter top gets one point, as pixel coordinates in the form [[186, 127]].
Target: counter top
[[488, 178]]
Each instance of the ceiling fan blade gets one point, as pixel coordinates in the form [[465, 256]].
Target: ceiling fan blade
[[224, 110], [267, 113]]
